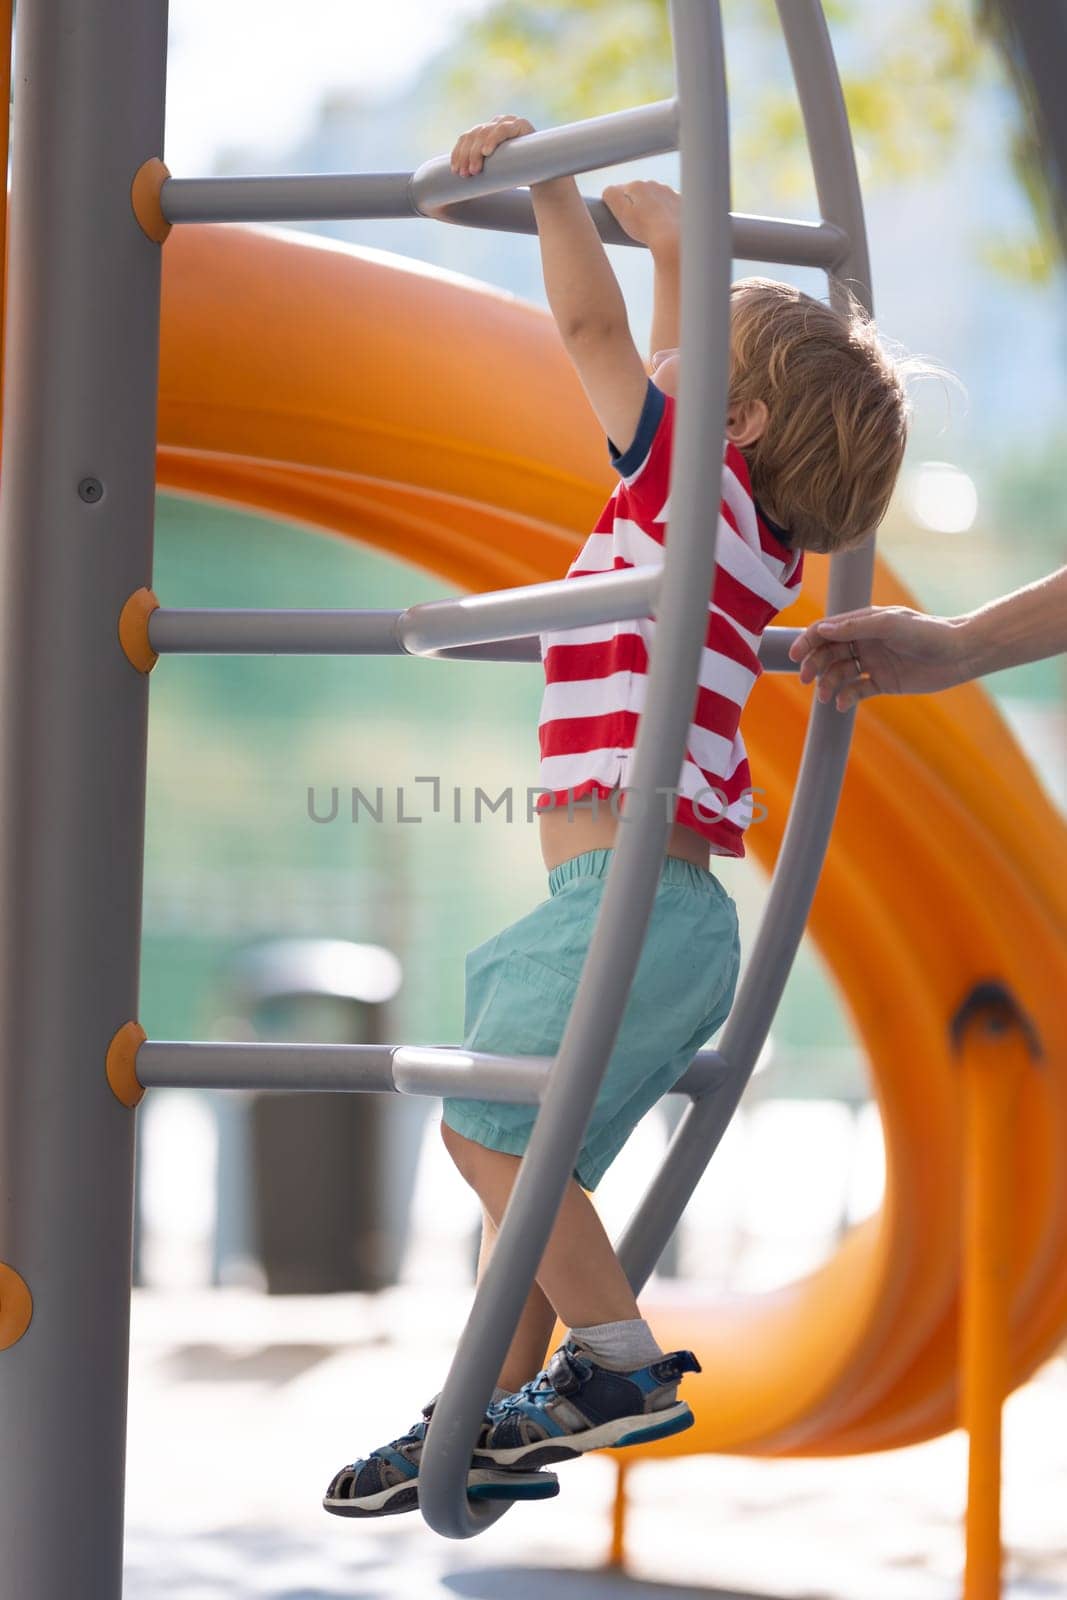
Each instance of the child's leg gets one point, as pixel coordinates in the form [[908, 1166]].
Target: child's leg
[[529, 1347], [610, 1383], [386, 1481], [580, 1272]]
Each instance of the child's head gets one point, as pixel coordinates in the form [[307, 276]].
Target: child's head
[[831, 443]]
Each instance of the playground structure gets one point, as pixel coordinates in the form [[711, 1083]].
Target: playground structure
[[264, 400]]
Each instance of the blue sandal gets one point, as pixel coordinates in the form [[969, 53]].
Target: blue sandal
[[574, 1406], [387, 1481]]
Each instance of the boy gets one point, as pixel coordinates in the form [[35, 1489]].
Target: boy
[[815, 433]]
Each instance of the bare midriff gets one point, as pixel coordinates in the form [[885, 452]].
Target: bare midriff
[[563, 836]]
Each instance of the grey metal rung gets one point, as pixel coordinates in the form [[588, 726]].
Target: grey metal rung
[[218, 631], [375, 196], [294, 197], [788, 244], [773, 650], [368, 1069], [510, 613], [776, 240], [552, 153], [559, 152], [420, 630]]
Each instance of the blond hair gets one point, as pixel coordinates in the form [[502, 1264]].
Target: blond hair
[[838, 410]]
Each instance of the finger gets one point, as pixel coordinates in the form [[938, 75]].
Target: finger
[[642, 187], [840, 675], [837, 618], [461, 155], [479, 142], [619, 202], [507, 126], [471, 148], [821, 658], [862, 689], [812, 640], [456, 152], [804, 642], [496, 133], [868, 623]]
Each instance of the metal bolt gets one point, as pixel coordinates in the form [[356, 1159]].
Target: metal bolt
[[91, 490]]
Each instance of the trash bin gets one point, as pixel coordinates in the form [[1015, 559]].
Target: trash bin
[[317, 1186]]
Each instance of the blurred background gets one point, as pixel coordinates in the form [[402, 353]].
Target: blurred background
[[271, 912]]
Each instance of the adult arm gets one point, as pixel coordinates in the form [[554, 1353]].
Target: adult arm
[[900, 651]]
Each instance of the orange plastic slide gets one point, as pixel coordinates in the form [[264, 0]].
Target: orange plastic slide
[[440, 420]]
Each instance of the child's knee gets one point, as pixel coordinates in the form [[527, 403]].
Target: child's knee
[[479, 1164]]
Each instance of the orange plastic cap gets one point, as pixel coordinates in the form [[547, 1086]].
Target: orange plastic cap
[[122, 1063], [16, 1307], [145, 190], [133, 629]]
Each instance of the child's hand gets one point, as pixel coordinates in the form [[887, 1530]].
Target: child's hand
[[471, 148], [649, 212]]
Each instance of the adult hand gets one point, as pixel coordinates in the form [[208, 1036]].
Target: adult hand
[[649, 212], [879, 650]]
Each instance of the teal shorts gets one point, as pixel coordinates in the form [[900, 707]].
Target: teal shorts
[[522, 982]]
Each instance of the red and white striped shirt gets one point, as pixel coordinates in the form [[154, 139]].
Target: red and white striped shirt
[[595, 677]]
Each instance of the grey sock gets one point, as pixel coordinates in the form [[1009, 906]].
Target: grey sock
[[619, 1346], [499, 1394]]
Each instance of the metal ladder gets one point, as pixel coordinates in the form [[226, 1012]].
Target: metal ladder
[[76, 518]]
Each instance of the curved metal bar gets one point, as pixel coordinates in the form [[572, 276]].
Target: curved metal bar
[[826, 746], [773, 650], [559, 152], [631, 884], [754, 238], [503, 613]]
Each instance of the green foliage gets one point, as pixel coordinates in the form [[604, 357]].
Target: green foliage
[[1030, 258], [905, 89], [908, 76], [576, 58]]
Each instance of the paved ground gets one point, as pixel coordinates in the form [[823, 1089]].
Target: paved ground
[[242, 1406]]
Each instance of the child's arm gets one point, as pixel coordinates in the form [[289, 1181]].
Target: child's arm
[[582, 290], [651, 213]]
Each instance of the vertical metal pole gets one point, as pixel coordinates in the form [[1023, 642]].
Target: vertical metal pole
[[76, 514], [617, 1550], [995, 1052], [6, 22]]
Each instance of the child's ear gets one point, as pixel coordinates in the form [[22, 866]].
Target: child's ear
[[746, 422]]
